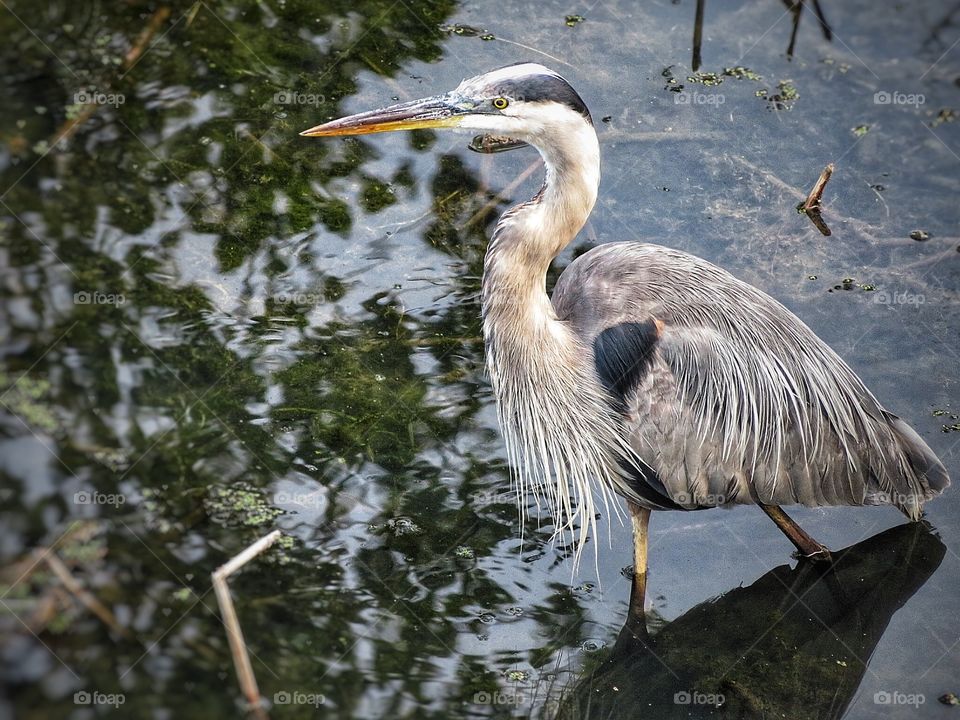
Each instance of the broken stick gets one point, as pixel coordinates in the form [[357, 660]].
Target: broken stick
[[813, 199], [811, 206], [241, 658]]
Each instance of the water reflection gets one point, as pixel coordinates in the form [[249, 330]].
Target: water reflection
[[796, 643], [794, 7]]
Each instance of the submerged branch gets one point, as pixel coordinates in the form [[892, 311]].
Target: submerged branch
[[238, 648], [83, 596], [136, 51], [492, 204]]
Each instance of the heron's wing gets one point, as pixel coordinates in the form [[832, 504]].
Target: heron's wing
[[728, 395]]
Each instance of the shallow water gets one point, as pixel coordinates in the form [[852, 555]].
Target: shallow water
[[212, 328]]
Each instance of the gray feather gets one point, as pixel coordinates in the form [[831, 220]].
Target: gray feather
[[743, 402]]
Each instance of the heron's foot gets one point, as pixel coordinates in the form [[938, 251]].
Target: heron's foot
[[819, 555], [807, 547]]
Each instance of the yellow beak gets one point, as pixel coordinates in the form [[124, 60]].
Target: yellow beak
[[433, 112]]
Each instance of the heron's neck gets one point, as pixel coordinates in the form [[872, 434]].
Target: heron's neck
[[529, 236], [560, 431]]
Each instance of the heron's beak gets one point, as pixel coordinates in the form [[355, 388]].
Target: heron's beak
[[441, 111]]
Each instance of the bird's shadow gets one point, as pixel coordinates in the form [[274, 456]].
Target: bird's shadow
[[794, 644]]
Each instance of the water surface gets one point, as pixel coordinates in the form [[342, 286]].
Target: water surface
[[212, 328]]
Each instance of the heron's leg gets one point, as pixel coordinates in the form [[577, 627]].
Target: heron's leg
[[640, 519], [808, 547]]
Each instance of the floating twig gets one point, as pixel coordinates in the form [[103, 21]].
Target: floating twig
[[855, 224], [813, 199], [811, 206], [241, 658]]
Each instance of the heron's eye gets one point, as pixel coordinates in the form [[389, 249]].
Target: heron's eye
[[500, 103]]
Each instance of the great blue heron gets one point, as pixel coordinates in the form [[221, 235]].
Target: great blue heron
[[652, 373]]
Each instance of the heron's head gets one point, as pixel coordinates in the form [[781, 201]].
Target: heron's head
[[526, 102]]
